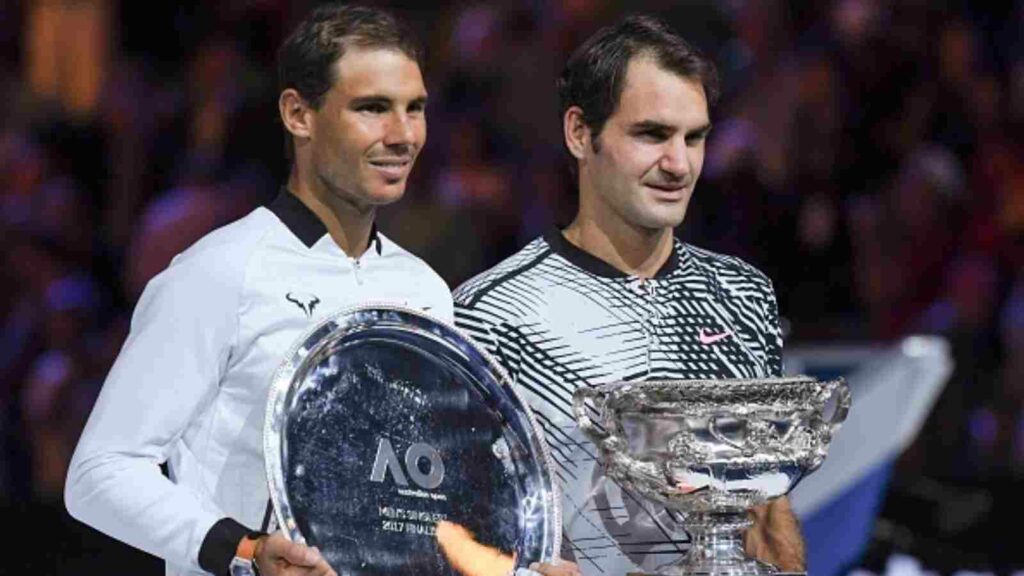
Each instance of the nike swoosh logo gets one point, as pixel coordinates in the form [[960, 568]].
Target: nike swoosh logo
[[708, 338]]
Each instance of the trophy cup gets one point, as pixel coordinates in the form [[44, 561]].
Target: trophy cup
[[386, 429], [712, 450]]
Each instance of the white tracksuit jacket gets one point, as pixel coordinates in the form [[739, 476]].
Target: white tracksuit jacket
[[190, 385]]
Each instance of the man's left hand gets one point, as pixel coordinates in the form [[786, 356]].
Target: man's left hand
[[775, 536]]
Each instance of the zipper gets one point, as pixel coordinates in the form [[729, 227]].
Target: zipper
[[649, 292], [356, 267]]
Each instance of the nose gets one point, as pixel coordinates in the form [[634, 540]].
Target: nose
[[400, 130], [675, 161]]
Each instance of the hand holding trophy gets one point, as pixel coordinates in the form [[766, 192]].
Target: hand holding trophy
[[712, 450]]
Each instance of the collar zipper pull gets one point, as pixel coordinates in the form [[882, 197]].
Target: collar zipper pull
[[356, 267]]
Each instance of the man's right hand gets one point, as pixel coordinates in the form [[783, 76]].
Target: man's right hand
[[278, 556]]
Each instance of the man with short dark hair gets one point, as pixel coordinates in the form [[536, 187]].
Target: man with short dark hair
[[190, 386], [615, 297]]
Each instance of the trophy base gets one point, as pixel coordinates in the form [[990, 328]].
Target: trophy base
[[730, 567], [716, 549]]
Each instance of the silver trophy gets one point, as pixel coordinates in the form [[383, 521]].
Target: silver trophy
[[711, 450], [387, 429]]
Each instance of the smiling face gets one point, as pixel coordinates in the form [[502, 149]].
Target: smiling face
[[365, 137], [642, 168]]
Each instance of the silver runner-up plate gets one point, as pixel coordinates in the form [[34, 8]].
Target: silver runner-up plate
[[381, 423]]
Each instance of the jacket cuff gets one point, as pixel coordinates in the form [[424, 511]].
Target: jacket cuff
[[219, 546]]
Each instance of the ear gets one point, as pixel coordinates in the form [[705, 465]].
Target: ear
[[296, 115], [576, 132]]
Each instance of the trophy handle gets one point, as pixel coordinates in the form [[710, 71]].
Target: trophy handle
[[841, 391], [579, 409], [824, 429]]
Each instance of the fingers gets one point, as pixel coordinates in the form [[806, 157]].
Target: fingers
[[321, 568], [280, 556], [278, 548], [469, 557], [780, 505], [753, 543], [299, 555], [315, 565], [775, 536], [758, 513]]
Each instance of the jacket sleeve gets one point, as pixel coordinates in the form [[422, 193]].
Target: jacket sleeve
[[164, 379], [773, 337]]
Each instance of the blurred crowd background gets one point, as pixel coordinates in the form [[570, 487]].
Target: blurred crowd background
[[867, 154]]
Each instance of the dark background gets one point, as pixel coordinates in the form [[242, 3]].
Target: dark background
[[866, 155]]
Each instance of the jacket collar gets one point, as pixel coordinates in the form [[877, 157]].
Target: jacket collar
[[303, 223], [594, 265]]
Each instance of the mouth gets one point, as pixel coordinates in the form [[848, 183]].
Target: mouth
[[392, 168], [673, 191]]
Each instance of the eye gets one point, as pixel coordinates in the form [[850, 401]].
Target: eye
[[417, 107], [695, 139], [373, 108], [653, 135]]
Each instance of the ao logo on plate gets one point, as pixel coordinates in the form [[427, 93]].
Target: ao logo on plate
[[386, 460]]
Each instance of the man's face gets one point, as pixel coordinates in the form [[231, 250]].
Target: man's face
[[370, 128], [642, 169]]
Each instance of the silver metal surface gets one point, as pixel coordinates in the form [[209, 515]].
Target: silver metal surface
[[713, 449], [383, 421]]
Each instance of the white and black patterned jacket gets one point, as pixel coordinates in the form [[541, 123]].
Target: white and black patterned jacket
[[558, 318]]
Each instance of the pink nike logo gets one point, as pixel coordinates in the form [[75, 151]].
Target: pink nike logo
[[707, 338]]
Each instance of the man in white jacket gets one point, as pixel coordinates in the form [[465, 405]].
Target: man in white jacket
[[190, 386]]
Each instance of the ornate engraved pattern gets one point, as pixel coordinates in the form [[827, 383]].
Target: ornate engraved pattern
[[712, 449]]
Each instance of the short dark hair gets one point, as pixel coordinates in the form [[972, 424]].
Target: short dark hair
[[594, 76], [306, 58]]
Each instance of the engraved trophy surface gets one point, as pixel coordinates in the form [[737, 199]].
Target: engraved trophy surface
[[712, 450], [382, 422]]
